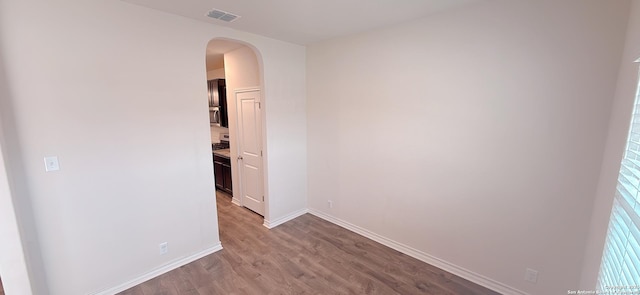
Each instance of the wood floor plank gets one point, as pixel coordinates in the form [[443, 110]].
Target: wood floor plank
[[367, 274], [137, 290], [161, 285], [307, 255]]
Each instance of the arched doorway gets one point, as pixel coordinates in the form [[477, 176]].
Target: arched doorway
[[236, 68]]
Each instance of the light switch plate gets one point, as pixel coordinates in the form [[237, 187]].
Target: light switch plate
[[51, 164]]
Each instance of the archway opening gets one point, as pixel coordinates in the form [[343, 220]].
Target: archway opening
[[236, 104]]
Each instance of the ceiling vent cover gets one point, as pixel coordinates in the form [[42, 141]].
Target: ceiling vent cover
[[222, 15]]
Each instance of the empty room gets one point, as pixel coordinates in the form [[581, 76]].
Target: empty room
[[324, 147]]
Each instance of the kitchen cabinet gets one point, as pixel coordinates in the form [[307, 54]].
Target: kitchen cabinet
[[222, 171], [218, 101]]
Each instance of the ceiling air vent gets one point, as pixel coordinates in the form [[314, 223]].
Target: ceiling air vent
[[222, 15]]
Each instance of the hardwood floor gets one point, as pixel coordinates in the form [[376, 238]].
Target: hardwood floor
[[304, 256], [1, 288]]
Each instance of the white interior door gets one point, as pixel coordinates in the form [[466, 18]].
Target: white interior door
[[250, 150]]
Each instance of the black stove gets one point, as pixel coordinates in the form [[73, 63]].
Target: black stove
[[223, 144], [219, 146]]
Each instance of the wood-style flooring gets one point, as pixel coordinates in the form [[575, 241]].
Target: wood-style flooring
[[307, 255], [1, 288]]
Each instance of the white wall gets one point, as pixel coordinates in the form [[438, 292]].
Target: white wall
[[215, 74], [479, 143], [13, 264], [285, 107], [284, 186], [242, 70], [615, 143], [132, 137], [20, 260]]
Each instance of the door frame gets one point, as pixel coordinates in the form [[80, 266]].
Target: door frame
[[234, 164], [232, 131]]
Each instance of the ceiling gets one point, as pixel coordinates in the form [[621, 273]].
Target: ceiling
[[305, 21], [216, 50]]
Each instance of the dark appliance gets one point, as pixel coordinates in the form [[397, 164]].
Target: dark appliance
[[217, 92]]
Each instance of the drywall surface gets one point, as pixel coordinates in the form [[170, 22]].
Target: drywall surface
[[215, 74], [14, 267], [242, 71], [473, 136], [20, 261], [615, 144], [118, 93]]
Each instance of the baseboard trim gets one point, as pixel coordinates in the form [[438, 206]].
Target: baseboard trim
[[271, 224], [422, 256], [159, 271], [236, 201]]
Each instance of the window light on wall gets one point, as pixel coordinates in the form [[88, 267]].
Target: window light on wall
[[620, 266]]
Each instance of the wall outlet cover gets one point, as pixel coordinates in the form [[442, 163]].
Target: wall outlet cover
[[531, 275], [164, 248]]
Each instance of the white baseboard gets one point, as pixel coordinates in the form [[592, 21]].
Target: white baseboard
[[271, 224], [158, 271], [235, 201], [422, 256]]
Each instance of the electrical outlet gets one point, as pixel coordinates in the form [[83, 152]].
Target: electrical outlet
[[51, 164], [164, 248], [531, 275], [330, 204]]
